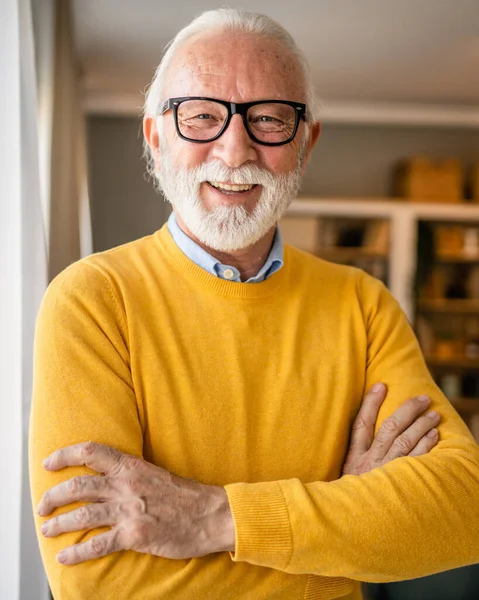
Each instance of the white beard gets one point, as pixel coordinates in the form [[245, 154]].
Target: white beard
[[227, 228]]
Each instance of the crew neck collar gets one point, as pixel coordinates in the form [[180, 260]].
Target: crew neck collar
[[214, 284]]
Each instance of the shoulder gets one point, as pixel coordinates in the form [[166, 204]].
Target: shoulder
[[96, 283], [312, 268], [105, 271], [342, 286]]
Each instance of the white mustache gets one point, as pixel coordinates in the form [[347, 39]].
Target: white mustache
[[218, 171]]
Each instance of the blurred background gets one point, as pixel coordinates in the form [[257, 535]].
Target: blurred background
[[392, 186]]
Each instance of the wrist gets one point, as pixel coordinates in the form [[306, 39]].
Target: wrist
[[220, 525]]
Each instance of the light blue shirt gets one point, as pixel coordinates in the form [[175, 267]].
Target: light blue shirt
[[212, 265]]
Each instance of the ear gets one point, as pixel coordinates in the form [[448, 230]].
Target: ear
[[150, 132], [314, 133]]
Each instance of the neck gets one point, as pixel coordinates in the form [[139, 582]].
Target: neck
[[248, 260]]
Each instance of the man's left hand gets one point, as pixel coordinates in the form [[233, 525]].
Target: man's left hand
[[148, 509]]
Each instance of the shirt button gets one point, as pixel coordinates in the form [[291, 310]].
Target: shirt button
[[228, 274]]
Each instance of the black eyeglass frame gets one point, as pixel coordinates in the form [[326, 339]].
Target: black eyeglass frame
[[235, 108]]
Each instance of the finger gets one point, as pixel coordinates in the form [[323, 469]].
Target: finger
[[85, 488], [394, 425], [85, 517], [407, 441], [362, 431], [98, 457], [426, 443], [96, 547]]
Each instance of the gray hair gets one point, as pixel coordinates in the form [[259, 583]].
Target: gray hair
[[241, 21]]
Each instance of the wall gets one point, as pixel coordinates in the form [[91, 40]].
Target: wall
[[124, 205], [358, 161]]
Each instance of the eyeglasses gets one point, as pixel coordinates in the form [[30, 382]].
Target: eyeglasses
[[268, 122]]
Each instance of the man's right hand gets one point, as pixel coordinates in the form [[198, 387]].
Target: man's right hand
[[407, 432]]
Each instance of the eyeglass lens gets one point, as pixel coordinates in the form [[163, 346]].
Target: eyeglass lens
[[202, 120]]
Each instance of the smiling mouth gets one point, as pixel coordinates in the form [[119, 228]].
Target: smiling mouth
[[231, 188]]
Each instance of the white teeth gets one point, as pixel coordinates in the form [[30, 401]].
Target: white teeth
[[231, 188]]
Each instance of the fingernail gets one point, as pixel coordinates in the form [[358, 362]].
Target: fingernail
[[46, 463], [433, 433], [62, 557], [44, 528], [424, 398], [377, 387], [432, 414]]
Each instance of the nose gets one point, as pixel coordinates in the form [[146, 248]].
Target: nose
[[235, 147]]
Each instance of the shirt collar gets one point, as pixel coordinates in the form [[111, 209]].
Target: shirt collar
[[204, 260]]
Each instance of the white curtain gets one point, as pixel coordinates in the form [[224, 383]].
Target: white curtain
[[34, 245]]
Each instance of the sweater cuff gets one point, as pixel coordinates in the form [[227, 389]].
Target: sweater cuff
[[262, 527], [264, 536]]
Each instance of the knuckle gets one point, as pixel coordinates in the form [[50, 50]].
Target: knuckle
[[133, 483], [403, 444], [98, 546], [75, 485], [390, 425], [82, 515], [128, 462], [359, 423], [111, 452], [89, 448]]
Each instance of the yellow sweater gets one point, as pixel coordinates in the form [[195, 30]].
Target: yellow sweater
[[254, 387]]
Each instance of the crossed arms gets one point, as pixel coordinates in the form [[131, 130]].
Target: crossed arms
[[427, 497]]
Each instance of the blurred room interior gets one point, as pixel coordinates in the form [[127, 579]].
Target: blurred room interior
[[392, 186]]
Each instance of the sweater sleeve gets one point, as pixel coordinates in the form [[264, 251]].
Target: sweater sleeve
[[82, 391], [412, 517]]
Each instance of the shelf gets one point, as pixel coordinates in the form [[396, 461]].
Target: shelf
[[384, 208], [449, 306], [466, 405], [460, 363], [346, 254], [457, 258]]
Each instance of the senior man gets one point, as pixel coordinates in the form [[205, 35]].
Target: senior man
[[197, 391]]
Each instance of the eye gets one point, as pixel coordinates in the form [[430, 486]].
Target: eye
[[267, 119]]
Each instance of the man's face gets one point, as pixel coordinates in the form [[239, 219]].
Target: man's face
[[237, 68]]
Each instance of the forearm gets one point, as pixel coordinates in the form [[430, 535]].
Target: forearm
[[395, 522]]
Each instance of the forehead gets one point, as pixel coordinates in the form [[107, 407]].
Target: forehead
[[235, 67]]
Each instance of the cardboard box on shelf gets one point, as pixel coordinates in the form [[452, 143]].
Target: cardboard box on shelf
[[424, 180], [376, 236], [449, 240]]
